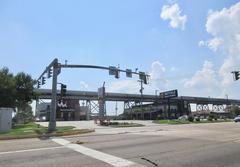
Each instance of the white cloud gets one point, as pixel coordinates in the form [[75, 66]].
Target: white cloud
[[224, 26], [83, 85], [206, 78], [157, 78], [214, 43], [173, 69], [124, 86], [173, 13], [201, 43]]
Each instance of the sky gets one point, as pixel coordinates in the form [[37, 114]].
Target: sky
[[187, 45]]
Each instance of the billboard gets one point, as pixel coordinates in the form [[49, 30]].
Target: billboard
[[169, 94]]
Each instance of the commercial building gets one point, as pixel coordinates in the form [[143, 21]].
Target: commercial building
[[158, 110], [67, 110]]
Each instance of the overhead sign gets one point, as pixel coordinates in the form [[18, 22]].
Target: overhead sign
[[114, 71], [169, 94], [129, 73]]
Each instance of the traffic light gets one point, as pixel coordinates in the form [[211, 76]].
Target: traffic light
[[117, 74], [38, 84], [236, 75], [49, 73], [43, 80], [143, 77], [63, 90]]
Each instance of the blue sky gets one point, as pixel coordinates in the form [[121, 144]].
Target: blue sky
[[129, 33]]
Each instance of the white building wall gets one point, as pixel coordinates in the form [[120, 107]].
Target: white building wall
[[5, 119]]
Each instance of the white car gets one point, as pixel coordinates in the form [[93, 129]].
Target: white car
[[237, 118]]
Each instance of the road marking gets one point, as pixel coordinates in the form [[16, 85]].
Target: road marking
[[107, 158], [29, 150]]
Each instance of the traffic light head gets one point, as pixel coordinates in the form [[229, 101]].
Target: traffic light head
[[117, 74], [38, 84], [63, 90], [143, 77], [49, 73], [236, 75], [43, 80]]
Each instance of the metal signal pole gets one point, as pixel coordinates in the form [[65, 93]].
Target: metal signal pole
[[141, 91], [52, 121]]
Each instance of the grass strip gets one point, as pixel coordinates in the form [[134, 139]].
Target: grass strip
[[33, 130]]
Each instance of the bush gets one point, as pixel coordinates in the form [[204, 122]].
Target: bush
[[113, 123], [190, 118], [197, 119], [210, 117]]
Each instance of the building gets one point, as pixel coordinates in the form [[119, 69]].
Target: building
[[67, 110], [42, 111], [158, 110]]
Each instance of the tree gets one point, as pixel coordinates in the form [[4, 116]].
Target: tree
[[24, 116], [7, 88], [24, 89], [235, 110]]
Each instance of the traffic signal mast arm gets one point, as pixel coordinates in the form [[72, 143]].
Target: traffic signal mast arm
[[96, 67], [142, 75], [47, 68]]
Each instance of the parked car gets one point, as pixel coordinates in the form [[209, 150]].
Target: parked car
[[237, 118], [183, 117]]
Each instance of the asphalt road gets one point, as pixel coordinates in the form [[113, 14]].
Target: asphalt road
[[208, 145]]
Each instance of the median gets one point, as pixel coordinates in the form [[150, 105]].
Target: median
[[121, 124], [33, 130]]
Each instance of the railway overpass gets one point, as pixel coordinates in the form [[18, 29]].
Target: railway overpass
[[93, 96], [181, 103]]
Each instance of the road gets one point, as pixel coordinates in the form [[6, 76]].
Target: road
[[208, 145]]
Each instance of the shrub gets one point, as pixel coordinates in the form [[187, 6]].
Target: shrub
[[197, 119], [210, 117], [190, 118]]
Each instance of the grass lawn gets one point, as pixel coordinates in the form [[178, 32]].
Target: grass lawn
[[34, 130], [176, 122]]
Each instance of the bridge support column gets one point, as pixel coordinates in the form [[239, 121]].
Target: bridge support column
[[93, 108], [128, 108]]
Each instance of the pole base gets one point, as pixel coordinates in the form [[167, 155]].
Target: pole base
[[51, 126]]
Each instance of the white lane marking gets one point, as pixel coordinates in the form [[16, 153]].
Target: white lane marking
[[107, 158], [29, 150]]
